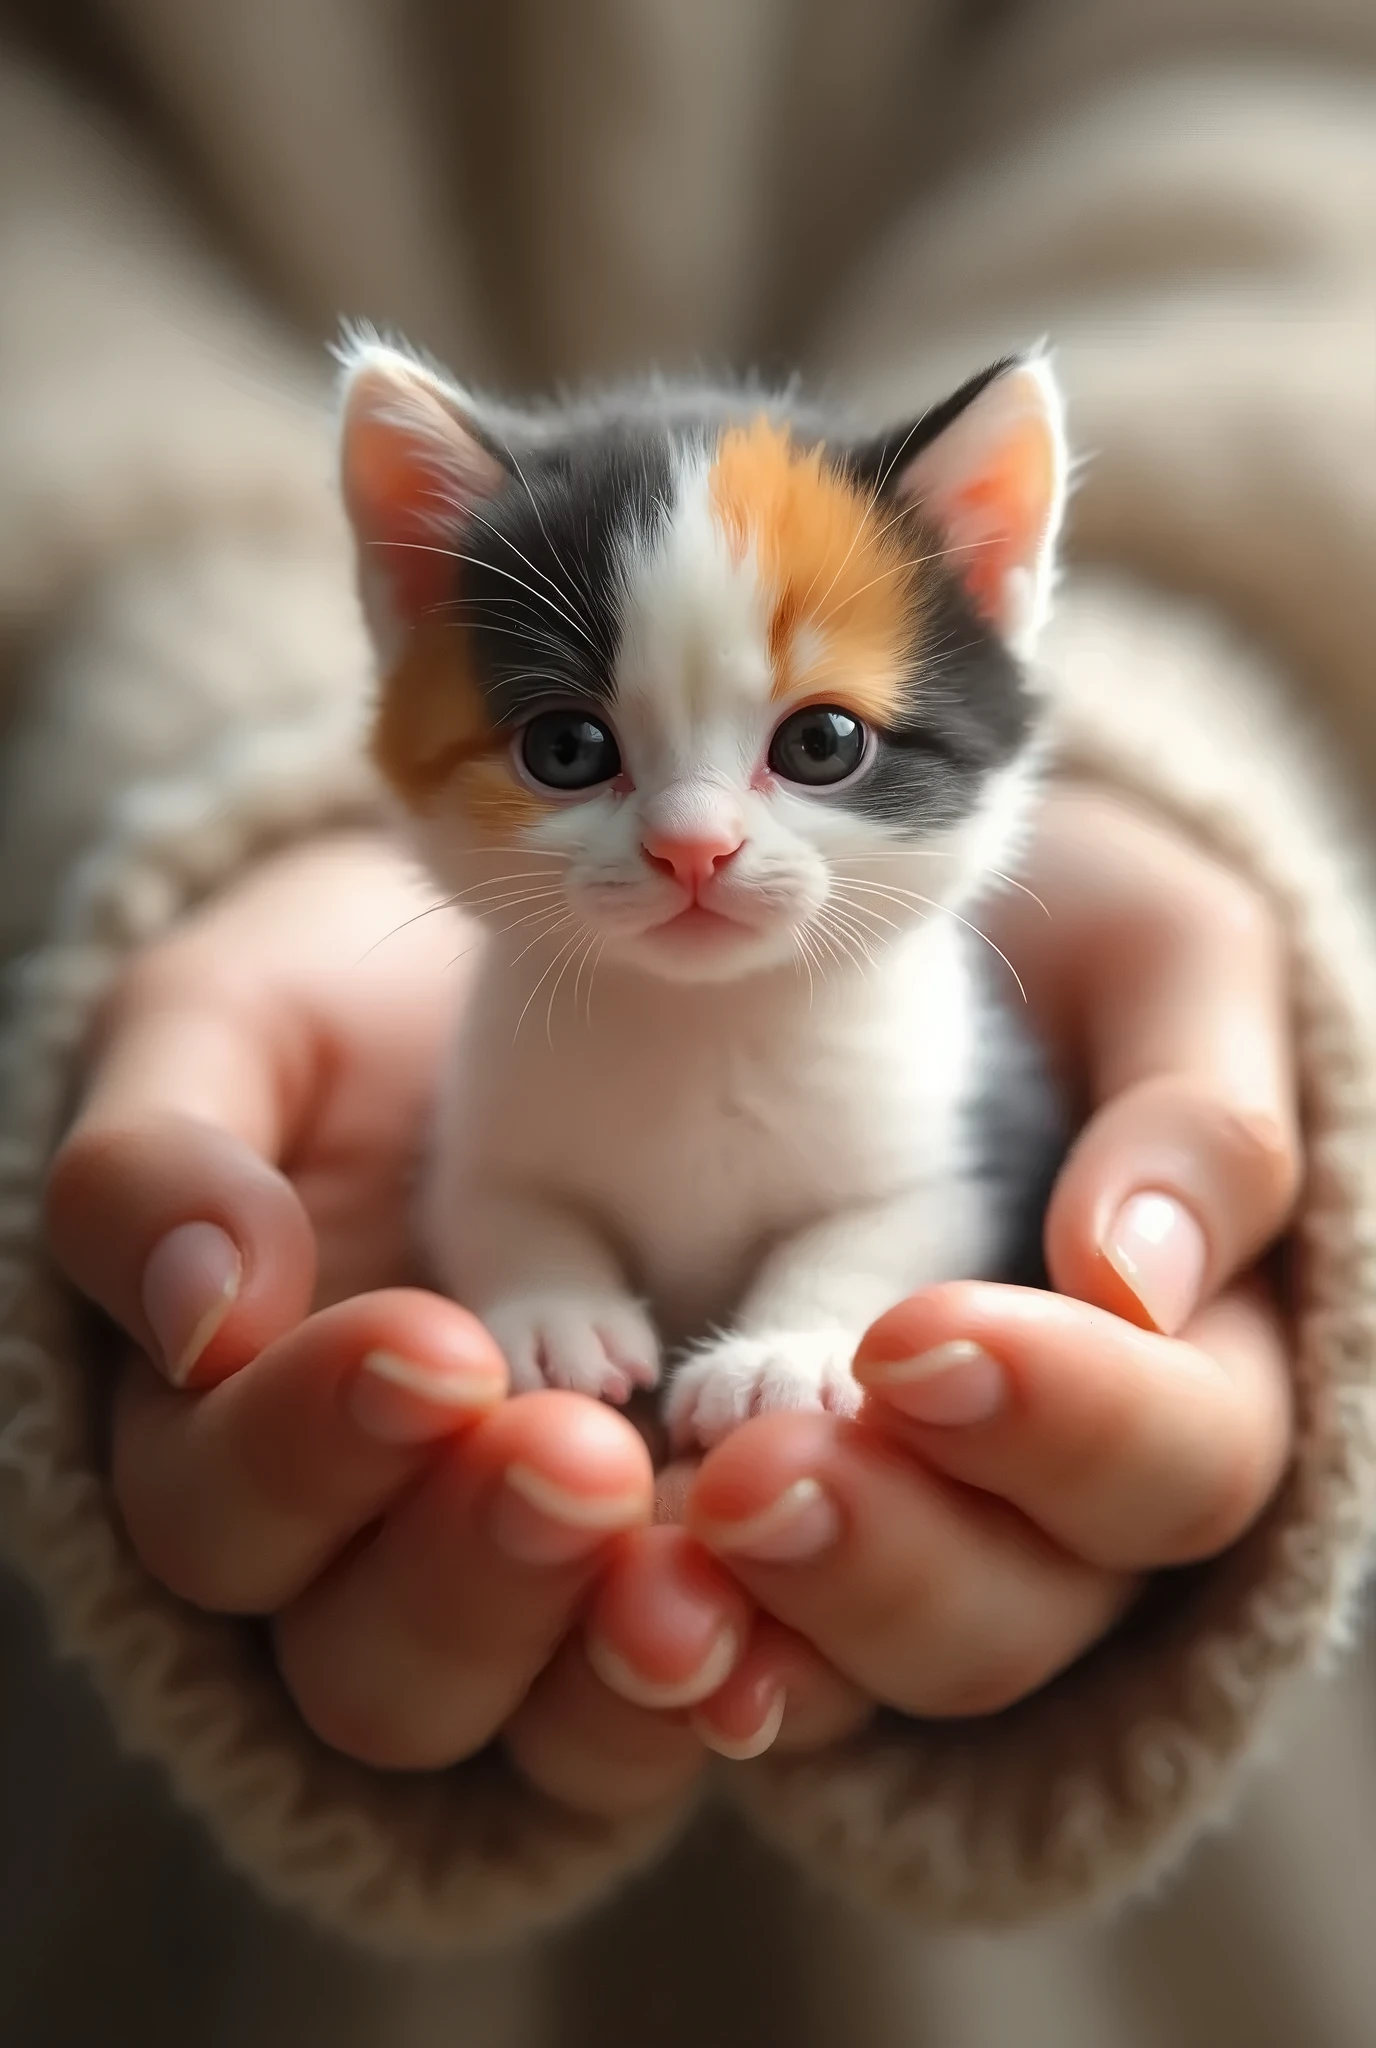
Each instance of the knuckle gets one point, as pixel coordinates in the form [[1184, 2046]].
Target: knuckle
[[1240, 1487], [157, 976], [1197, 905], [342, 1704], [1002, 1674], [1260, 1154], [370, 1734], [84, 1167], [890, 1624], [591, 1780], [1094, 1446], [185, 1562], [179, 1528], [1239, 913]]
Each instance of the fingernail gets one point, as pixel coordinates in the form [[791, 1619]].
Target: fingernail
[[801, 1523], [666, 1695], [398, 1401], [1158, 1251], [741, 1748], [190, 1284], [950, 1384], [537, 1521]]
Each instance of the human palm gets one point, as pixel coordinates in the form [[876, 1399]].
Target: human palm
[[303, 1431]]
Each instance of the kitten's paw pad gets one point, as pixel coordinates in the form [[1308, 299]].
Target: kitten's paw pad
[[724, 1383], [603, 1346]]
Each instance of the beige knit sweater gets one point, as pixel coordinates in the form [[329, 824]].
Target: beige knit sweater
[[1183, 194]]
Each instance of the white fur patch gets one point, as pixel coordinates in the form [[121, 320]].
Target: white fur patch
[[735, 1104]]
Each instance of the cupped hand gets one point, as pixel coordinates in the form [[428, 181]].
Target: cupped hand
[[298, 1430], [304, 1434], [1023, 1459]]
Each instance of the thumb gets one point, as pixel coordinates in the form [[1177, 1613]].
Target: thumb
[[1171, 1189], [164, 1204], [1166, 977]]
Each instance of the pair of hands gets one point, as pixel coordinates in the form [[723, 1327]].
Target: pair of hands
[[301, 1432]]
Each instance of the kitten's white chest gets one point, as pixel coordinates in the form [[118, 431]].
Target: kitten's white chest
[[697, 1126]]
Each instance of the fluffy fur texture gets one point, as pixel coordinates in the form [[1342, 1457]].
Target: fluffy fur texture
[[1092, 180], [716, 718]]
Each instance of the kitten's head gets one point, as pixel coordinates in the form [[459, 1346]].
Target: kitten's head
[[690, 675]]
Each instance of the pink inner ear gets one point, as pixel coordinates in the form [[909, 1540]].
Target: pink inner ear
[[992, 485], [411, 472], [1001, 515]]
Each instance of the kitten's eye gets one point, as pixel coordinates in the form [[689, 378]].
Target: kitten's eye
[[818, 745], [569, 750]]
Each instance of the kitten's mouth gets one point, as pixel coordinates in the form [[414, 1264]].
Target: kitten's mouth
[[698, 921]]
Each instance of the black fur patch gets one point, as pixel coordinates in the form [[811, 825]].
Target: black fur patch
[[1020, 1125], [875, 461], [967, 712], [967, 709], [538, 591]]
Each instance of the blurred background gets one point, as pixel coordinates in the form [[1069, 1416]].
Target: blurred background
[[1182, 193]]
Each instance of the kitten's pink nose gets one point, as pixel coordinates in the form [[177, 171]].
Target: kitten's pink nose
[[691, 858]]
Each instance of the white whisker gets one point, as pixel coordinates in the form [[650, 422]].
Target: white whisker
[[477, 562], [846, 934], [534, 569], [822, 938], [938, 853], [864, 908], [1012, 882], [527, 852], [545, 976], [517, 924], [895, 893], [855, 919], [455, 902], [560, 563], [582, 963], [540, 884], [589, 939], [547, 930], [596, 963], [803, 946]]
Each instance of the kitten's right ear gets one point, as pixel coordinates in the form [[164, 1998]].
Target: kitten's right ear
[[413, 467], [987, 469]]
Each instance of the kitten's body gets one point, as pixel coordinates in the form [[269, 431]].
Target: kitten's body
[[737, 1098]]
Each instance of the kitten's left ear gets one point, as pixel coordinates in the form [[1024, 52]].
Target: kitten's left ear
[[415, 467], [988, 470]]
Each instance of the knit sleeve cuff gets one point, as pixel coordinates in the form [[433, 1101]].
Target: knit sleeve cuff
[[1091, 1786], [270, 752]]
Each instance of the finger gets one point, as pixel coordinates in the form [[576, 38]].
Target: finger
[[930, 1597], [162, 1203], [667, 1625], [670, 1631], [416, 1648], [1130, 1449], [1163, 976], [237, 1498], [580, 1743], [780, 1696], [1170, 1191]]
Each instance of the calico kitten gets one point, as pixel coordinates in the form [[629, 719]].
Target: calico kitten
[[718, 718]]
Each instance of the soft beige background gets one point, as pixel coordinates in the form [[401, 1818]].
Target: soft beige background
[[1182, 191]]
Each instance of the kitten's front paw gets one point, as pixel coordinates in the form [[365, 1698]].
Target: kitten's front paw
[[724, 1383], [603, 1346]]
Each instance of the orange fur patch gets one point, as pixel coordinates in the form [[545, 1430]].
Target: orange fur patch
[[493, 800], [831, 563], [432, 728]]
